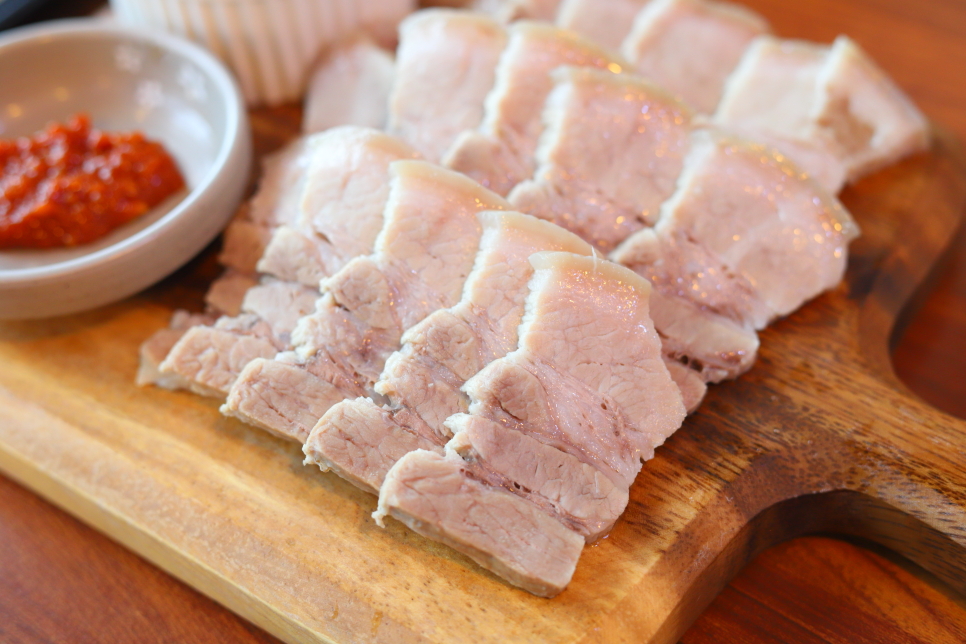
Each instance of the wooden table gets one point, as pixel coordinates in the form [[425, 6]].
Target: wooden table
[[62, 581]]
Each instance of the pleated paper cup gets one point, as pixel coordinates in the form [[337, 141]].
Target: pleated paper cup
[[271, 45]]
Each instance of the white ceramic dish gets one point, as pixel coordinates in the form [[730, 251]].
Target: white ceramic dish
[[125, 79]]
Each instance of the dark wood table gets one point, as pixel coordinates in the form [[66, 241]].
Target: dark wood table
[[61, 581]]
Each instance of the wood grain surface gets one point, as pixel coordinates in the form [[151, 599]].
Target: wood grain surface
[[60, 581]]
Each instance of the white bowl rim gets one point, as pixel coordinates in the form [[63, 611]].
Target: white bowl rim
[[234, 123]]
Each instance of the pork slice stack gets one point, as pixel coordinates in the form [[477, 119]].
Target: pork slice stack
[[510, 10], [619, 156], [341, 204], [359, 439], [690, 47], [557, 430], [349, 86], [829, 108], [342, 187], [746, 238], [244, 243], [834, 97], [446, 65], [606, 23], [610, 156], [422, 257], [500, 153]]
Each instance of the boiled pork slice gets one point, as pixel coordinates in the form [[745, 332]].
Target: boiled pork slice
[[746, 238], [816, 159], [226, 294], [361, 440], [605, 23], [872, 121], [154, 350], [446, 66], [280, 187], [832, 97], [349, 86], [575, 493], [692, 386], [690, 47], [610, 156], [275, 203], [502, 532], [244, 242], [339, 211], [500, 153], [422, 257], [589, 358], [343, 190], [562, 424], [510, 10], [208, 358], [710, 343]]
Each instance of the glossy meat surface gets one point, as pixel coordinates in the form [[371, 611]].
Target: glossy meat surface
[[690, 47], [610, 156], [422, 380], [833, 97], [560, 426], [422, 257], [500, 153], [445, 68], [605, 23], [349, 86], [746, 238]]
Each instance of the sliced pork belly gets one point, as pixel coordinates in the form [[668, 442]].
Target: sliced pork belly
[[279, 190], [745, 239], [575, 493], [831, 97], [360, 440], [446, 66], [500, 154], [244, 241], [500, 531], [226, 294], [871, 120], [690, 47], [349, 86], [588, 359], [692, 387], [694, 335], [209, 358], [510, 10], [343, 190], [339, 211], [816, 159], [154, 350], [296, 255], [610, 156], [562, 424], [277, 201], [422, 257], [605, 23]]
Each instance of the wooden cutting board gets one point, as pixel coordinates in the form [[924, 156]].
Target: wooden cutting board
[[819, 436]]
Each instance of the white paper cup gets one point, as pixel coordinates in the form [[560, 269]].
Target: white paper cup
[[271, 45]]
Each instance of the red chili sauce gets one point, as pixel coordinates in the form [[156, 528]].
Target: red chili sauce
[[71, 184]]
